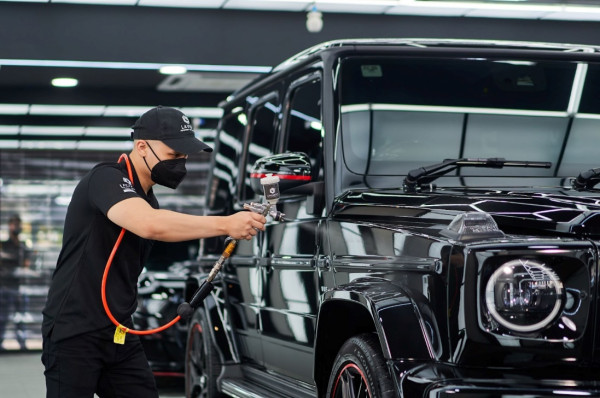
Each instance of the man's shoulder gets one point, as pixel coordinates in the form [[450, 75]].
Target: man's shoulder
[[106, 166], [110, 177], [101, 176], [106, 170]]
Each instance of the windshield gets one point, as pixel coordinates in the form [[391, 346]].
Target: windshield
[[398, 114]]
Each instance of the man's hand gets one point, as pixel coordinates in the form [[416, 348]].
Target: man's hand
[[245, 224]]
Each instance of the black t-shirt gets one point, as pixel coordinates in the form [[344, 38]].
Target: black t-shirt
[[74, 304]]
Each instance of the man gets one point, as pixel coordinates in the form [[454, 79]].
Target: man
[[14, 255], [79, 354]]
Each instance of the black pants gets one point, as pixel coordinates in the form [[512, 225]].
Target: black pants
[[81, 366], [11, 302]]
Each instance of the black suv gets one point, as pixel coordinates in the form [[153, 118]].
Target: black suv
[[441, 228]]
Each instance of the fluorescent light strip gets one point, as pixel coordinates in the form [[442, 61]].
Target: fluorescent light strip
[[449, 109], [133, 65], [9, 144], [9, 130], [67, 110], [99, 110], [400, 7], [100, 2], [105, 145], [51, 144], [71, 131], [483, 6], [66, 144], [388, 3], [14, 109], [208, 113], [206, 134], [51, 130], [574, 393], [182, 3], [117, 132], [94, 145], [50, 187], [268, 5], [125, 111], [590, 116], [495, 10]]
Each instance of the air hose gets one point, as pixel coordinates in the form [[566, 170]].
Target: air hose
[[121, 330], [186, 309]]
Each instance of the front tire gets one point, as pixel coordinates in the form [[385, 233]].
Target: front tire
[[202, 363], [359, 370]]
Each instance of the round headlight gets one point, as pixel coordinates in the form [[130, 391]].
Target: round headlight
[[524, 295]]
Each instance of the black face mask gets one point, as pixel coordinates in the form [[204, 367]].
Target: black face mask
[[168, 173]]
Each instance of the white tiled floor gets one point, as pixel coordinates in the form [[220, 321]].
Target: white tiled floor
[[22, 376]]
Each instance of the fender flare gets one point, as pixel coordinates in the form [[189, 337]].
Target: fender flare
[[403, 323], [398, 316]]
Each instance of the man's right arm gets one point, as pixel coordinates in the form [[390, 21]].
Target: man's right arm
[[138, 217]]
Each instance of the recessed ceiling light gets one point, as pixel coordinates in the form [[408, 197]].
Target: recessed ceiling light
[[173, 70], [64, 82], [131, 65]]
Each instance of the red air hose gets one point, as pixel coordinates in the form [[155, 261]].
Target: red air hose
[[119, 326]]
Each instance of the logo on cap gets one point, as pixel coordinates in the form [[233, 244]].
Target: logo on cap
[[186, 126]]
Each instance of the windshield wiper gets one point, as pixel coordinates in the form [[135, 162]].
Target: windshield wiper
[[427, 174], [586, 180]]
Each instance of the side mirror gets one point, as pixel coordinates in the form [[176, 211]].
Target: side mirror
[[292, 168]]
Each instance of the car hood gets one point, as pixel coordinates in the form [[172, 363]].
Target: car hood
[[553, 210]]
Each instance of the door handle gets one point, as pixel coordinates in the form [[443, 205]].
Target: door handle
[[323, 262]]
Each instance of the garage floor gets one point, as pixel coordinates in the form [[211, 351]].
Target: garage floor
[[22, 376]]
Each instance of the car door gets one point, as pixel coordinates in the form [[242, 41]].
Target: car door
[[244, 289], [290, 290]]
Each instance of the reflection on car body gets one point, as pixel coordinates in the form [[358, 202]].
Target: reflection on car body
[[390, 277]]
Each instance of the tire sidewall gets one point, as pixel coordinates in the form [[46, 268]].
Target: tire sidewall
[[362, 351], [199, 320]]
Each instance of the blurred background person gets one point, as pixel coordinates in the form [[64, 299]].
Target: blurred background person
[[14, 256]]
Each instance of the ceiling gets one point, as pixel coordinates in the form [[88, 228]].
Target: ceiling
[[546, 9], [50, 136], [115, 48]]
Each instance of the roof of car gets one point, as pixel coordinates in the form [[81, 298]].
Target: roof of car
[[421, 43], [427, 43]]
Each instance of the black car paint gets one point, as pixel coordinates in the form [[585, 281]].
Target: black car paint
[[379, 261]]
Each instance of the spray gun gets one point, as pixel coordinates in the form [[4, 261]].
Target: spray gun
[[270, 185]]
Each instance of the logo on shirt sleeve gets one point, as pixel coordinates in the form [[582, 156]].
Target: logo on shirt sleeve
[[127, 186]]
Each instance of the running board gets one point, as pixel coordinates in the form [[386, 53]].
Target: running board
[[258, 384], [237, 388]]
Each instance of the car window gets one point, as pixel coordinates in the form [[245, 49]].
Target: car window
[[397, 114], [304, 129], [264, 122], [226, 163]]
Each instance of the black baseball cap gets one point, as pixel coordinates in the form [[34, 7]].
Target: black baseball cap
[[170, 126]]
